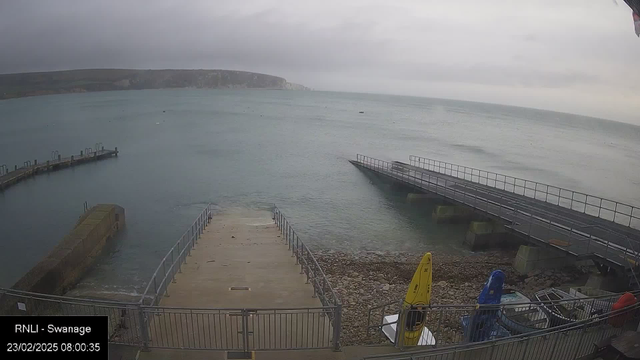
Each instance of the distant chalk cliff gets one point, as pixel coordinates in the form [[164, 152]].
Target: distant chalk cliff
[[75, 81]]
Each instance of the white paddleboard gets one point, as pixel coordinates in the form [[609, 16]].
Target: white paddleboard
[[389, 329]]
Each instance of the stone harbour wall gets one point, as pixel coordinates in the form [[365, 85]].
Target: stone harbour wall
[[63, 267]]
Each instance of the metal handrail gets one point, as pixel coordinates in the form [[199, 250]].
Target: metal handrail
[[293, 308], [187, 241], [299, 249], [478, 306], [67, 299], [635, 254], [569, 195], [577, 229], [545, 333], [448, 188], [443, 310], [321, 286]]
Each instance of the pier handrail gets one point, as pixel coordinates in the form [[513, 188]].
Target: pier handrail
[[398, 303], [173, 260], [309, 266], [441, 314], [626, 316], [307, 261], [531, 189], [457, 190]]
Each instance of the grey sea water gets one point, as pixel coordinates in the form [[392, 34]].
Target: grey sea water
[[182, 149]]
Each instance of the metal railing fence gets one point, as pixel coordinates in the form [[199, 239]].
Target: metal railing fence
[[147, 325], [240, 329], [314, 273], [611, 210], [308, 263], [458, 324], [171, 264], [125, 319], [189, 328], [526, 223], [566, 342]]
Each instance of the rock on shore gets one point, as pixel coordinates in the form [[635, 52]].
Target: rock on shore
[[367, 279]]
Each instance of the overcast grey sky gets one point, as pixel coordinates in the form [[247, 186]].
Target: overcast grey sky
[[578, 56]]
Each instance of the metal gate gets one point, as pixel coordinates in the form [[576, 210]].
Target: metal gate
[[242, 330]]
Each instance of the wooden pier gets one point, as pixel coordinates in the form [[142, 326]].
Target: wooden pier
[[10, 177]]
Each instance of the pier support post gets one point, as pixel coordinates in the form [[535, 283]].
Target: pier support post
[[484, 235], [337, 327], [609, 282], [531, 258], [451, 214], [422, 198], [142, 320]]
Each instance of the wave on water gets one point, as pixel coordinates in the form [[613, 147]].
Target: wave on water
[[473, 149], [94, 290]]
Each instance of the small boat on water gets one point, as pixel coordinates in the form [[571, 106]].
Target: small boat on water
[[561, 307], [520, 319]]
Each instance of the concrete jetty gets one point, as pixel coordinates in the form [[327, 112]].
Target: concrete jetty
[[10, 176], [240, 262], [69, 260], [240, 289]]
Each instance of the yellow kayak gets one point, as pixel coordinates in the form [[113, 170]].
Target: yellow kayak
[[417, 299]]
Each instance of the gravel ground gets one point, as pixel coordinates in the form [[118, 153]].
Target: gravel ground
[[367, 279]]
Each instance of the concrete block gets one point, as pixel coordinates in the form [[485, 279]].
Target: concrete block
[[484, 235], [609, 282], [485, 227], [531, 258], [451, 213]]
